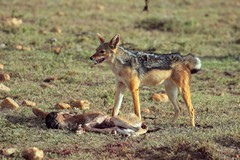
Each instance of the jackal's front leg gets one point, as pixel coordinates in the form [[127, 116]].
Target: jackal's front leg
[[134, 89], [120, 88]]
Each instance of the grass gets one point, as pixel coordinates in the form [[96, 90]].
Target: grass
[[209, 29]]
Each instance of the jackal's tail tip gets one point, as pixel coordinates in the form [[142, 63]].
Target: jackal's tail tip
[[197, 66], [198, 63]]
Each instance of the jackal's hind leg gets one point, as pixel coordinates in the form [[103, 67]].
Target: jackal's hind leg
[[181, 77], [100, 130], [120, 122], [86, 128], [93, 126], [133, 127], [172, 92], [187, 99]]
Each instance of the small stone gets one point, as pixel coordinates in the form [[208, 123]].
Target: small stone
[[81, 104], [62, 106], [4, 88], [3, 46], [59, 13], [18, 47], [13, 22], [57, 50], [46, 85], [4, 77], [100, 7], [8, 151], [9, 103], [29, 103], [32, 153], [160, 97], [22, 48], [42, 31], [1, 66], [25, 48], [146, 111], [56, 30]]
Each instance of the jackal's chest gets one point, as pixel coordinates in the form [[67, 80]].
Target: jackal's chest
[[124, 73]]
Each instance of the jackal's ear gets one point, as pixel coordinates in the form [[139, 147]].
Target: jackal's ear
[[115, 41], [101, 39]]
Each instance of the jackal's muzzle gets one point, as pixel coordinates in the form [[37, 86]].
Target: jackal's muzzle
[[97, 60]]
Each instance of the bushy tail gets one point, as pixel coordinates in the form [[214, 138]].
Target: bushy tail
[[193, 62]]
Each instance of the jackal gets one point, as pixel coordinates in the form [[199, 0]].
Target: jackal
[[133, 69]]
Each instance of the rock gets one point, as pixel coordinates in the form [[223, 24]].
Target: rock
[[25, 48], [28, 103], [100, 7], [9, 103], [13, 22], [18, 47], [8, 151], [3, 46], [146, 111], [59, 13], [39, 113], [32, 153], [56, 30], [42, 31], [62, 106], [4, 88], [57, 50], [1, 66], [22, 48], [81, 104], [46, 85], [4, 77], [160, 97]]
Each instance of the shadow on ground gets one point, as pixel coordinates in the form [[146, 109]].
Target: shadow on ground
[[30, 122]]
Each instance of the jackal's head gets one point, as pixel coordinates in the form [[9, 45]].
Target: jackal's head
[[106, 50]]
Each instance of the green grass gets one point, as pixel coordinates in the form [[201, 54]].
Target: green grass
[[209, 29]]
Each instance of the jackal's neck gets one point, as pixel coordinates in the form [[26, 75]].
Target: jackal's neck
[[123, 54], [126, 52], [121, 57]]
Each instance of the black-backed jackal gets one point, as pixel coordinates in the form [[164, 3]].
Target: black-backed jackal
[[133, 69]]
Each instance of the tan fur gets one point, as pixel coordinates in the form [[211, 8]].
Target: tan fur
[[156, 77]]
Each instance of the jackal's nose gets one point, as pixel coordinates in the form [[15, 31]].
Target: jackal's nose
[[91, 58]]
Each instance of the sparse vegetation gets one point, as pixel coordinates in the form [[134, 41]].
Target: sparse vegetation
[[209, 29]]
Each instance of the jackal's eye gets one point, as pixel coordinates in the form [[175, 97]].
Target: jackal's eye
[[102, 51]]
